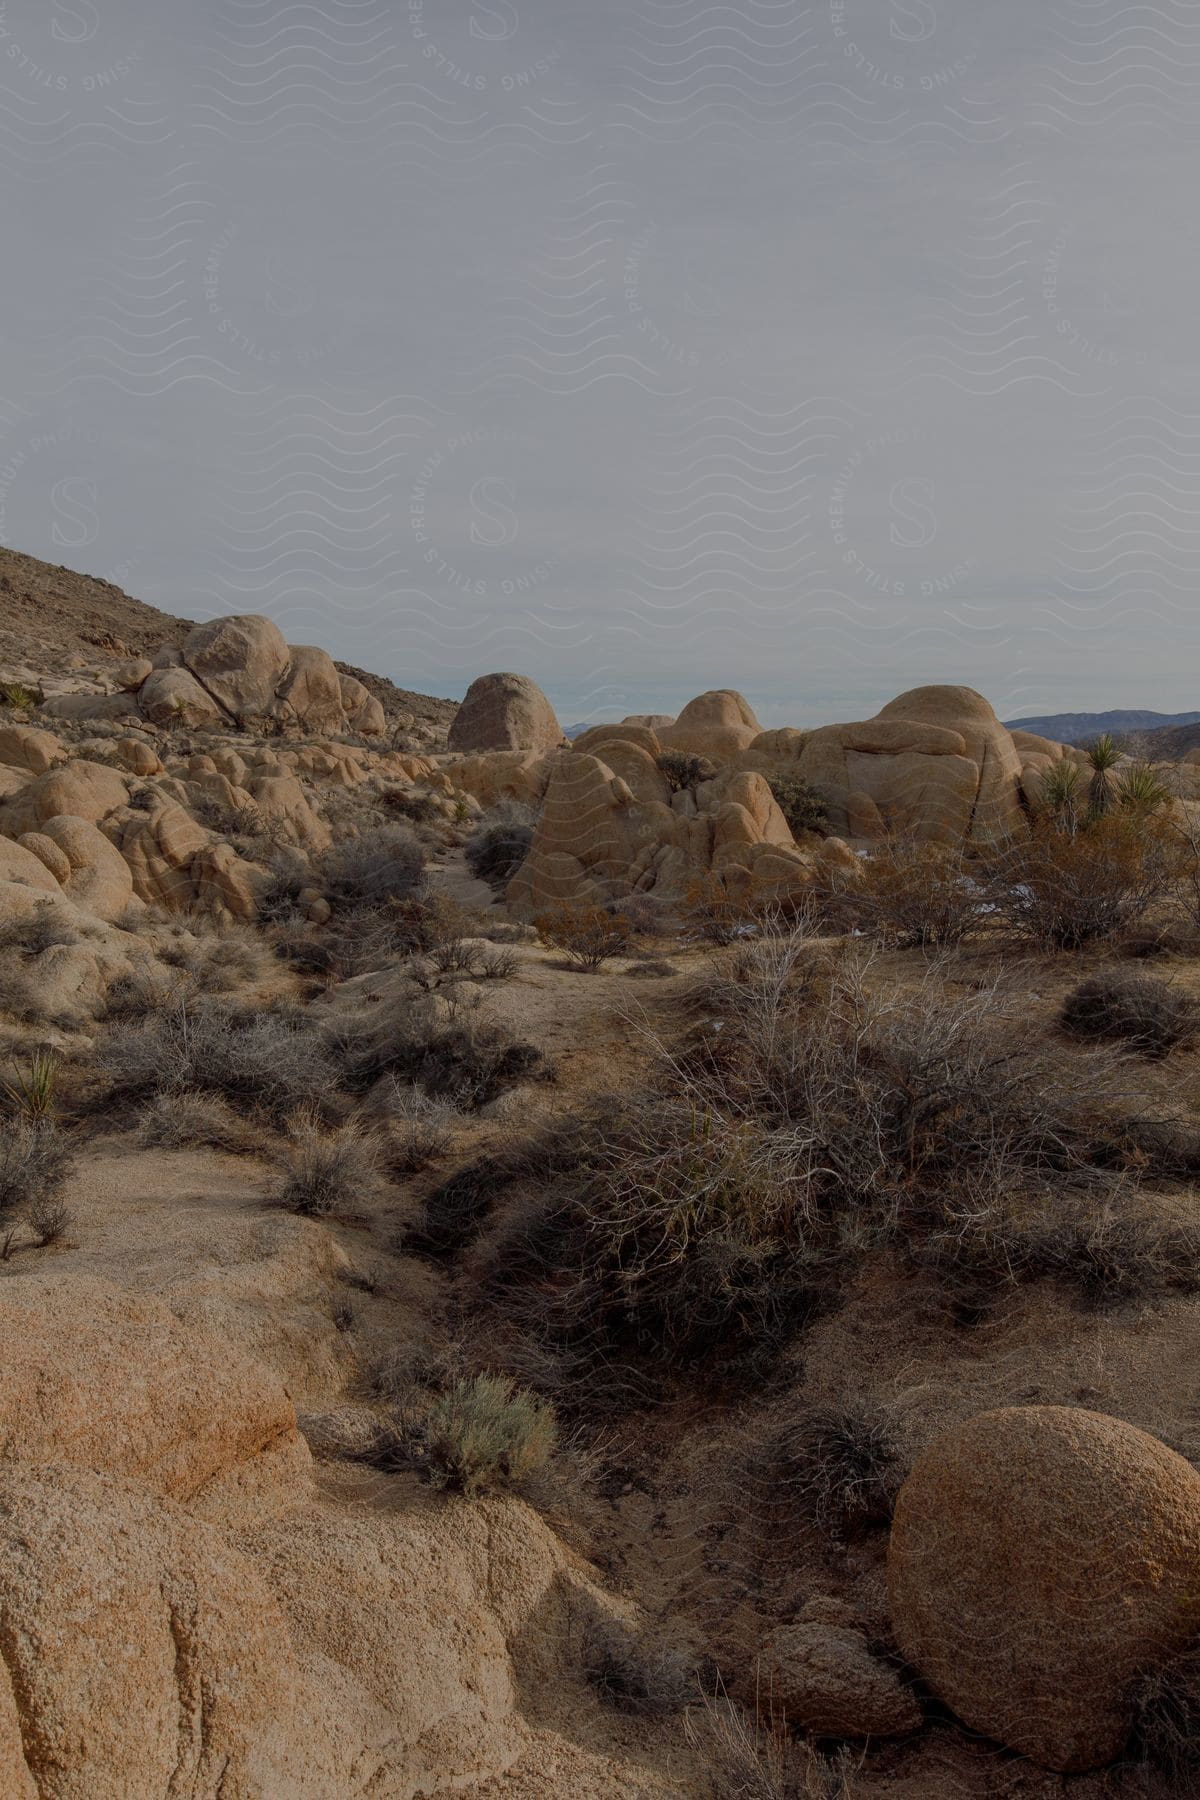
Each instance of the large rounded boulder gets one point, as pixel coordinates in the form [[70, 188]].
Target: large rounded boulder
[[1041, 1558], [505, 712], [241, 660], [720, 723], [935, 765]]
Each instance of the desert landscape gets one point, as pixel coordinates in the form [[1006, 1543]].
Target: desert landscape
[[658, 1264]]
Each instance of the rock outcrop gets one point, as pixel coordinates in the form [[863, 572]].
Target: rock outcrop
[[827, 1681], [602, 835], [1040, 1559], [505, 712], [719, 724], [935, 765], [233, 672]]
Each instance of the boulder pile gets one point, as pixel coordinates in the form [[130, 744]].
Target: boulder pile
[[235, 671]]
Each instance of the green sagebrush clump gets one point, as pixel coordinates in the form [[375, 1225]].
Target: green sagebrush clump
[[483, 1435]]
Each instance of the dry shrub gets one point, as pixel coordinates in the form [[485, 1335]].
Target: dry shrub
[[365, 936], [420, 1129], [326, 1173], [1148, 1014], [35, 1162], [753, 1756], [405, 803], [1165, 1739], [482, 1436], [500, 843], [636, 1674], [273, 1062], [464, 958], [49, 1220], [716, 912], [906, 895], [187, 1120], [452, 1052], [487, 1434], [841, 1465], [685, 772], [705, 1218], [1111, 1250], [588, 935], [1065, 889], [39, 930], [382, 864]]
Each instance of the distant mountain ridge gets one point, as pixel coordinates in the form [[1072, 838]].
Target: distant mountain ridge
[[1082, 728]]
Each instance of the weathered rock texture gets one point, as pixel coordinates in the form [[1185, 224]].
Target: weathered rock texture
[[935, 764], [1040, 1558], [505, 712], [719, 724], [610, 826], [826, 1680]]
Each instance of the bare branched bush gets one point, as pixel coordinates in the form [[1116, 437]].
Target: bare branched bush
[[271, 1062], [1066, 888], [381, 864], [717, 912], [406, 803], [708, 1215], [420, 1129], [181, 1120], [35, 1162], [636, 1674], [49, 1220], [39, 930], [325, 1172], [1165, 1739], [754, 1756], [907, 895], [454, 1053], [589, 936]]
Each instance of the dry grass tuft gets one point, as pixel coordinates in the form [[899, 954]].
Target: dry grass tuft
[[328, 1173]]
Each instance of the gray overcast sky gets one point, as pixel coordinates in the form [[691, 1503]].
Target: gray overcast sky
[[641, 345]]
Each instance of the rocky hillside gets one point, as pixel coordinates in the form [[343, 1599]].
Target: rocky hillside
[[54, 621]]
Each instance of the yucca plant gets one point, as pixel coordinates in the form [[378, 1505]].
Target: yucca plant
[[32, 1092], [1060, 794], [15, 693], [1142, 789], [1103, 757]]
